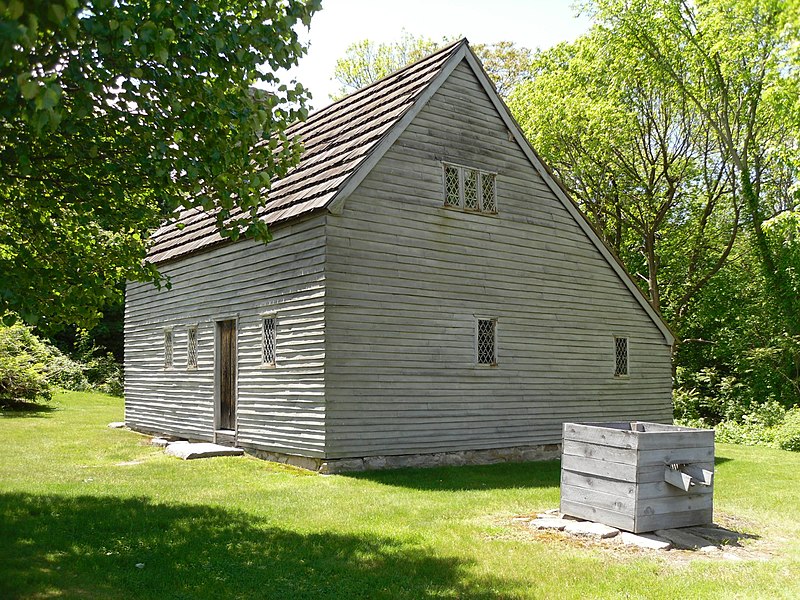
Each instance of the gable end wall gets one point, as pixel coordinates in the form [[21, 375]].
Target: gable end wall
[[406, 279]]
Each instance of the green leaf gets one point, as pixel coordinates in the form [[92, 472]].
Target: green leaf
[[29, 89], [15, 9], [57, 13], [50, 98]]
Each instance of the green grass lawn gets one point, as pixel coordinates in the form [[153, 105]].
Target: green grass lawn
[[81, 505]]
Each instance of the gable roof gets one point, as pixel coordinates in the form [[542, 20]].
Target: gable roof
[[337, 142], [341, 144]]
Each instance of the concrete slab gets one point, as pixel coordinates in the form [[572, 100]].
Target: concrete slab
[[191, 450], [116, 425], [686, 540], [590, 529], [549, 523], [160, 442], [645, 540]]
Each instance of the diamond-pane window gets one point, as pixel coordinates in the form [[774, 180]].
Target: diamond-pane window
[[471, 189], [167, 348], [452, 193], [488, 193], [268, 341], [620, 356], [191, 348], [487, 342]]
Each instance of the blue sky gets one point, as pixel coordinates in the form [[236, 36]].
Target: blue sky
[[530, 23]]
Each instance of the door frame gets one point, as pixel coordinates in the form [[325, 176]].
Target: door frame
[[218, 371]]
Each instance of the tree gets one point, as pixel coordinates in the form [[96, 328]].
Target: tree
[[365, 61], [638, 160], [731, 60], [114, 113], [506, 63]]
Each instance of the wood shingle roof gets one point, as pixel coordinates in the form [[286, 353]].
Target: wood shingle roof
[[337, 141]]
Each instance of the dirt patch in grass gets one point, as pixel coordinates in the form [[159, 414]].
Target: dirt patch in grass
[[754, 542]]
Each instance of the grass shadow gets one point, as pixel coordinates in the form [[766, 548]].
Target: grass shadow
[[16, 410], [89, 547], [721, 460], [537, 474]]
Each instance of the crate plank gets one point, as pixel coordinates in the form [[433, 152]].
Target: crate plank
[[601, 515], [614, 502], [614, 437], [674, 504], [593, 466], [600, 452], [601, 484], [673, 520], [661, 489], [668, 456]]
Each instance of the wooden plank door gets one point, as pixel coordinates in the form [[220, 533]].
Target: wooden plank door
[[226, 374]]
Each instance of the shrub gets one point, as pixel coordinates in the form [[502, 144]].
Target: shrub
[[731, 432], [709, 396], [23, 370], [22, 379], [787, 436], [103, 372], [30, 367]]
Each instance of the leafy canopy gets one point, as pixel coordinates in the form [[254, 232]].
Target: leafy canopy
[[366, 61], [115, 113]]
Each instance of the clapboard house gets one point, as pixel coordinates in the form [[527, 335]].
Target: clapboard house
[[430, 295]]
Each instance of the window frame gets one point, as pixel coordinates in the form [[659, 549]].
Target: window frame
[[169, 334], [274, 318], [617, 373], [479, 189], [477, 342], [192, 350]]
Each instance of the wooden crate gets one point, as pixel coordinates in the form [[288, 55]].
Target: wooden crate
[[618, 473]]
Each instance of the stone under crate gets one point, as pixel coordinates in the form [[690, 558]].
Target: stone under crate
[[638, 476]]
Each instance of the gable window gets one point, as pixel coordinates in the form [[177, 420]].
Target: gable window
[[469, 189], [620, 356], [168, 348], [191, 348], [268, 341], [486, 342], [452, 185]]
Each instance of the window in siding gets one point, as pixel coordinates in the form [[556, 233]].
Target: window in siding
[[268, 339], [620, 356], [469, 189], [191, 348], [488, 193], [452, 185], [487, 341], [168, 348]]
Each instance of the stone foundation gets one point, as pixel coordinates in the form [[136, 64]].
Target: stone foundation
[[458, 458], [304, 462], [439, 459], [454, 459]]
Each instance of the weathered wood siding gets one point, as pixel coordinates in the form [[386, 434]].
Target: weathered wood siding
[[279, 409], [615, 475], [405, 279]]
